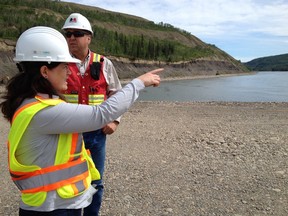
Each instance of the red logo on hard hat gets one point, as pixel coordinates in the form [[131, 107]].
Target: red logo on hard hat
[[74, 20]]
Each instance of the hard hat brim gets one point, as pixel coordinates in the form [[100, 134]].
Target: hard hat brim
[[47, 59]]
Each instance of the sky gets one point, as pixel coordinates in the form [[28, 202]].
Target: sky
[[245, 29]]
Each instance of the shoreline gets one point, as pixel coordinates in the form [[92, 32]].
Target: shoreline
[[125, 81], [167, 79]]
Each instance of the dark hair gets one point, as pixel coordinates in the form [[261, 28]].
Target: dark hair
[[26, 84]]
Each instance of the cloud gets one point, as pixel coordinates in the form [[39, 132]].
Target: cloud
[[221, 22]]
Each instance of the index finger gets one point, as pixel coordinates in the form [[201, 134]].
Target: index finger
[[156, 71]]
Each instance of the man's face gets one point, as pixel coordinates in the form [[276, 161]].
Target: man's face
[[78, 40]]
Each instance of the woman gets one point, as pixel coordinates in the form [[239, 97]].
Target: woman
[[47, 159]]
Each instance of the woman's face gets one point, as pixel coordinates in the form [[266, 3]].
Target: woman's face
[[57, 76]]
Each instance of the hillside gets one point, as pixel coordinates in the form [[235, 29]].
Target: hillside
[[134, 44], [269, 63]]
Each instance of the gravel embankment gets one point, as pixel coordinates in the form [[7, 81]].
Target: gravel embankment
[[193, 158]]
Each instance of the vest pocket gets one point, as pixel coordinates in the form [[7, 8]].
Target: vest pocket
[[70, 191], [34, 199], [95, 175]]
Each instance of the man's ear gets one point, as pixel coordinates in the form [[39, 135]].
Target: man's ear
[[89, 39], [44, 71]]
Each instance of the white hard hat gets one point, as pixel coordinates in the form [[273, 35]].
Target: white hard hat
[[43, 44], [77, 21]]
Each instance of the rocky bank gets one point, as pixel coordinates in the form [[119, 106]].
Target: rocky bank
[[128, 69]]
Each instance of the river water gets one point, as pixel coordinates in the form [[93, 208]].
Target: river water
[[258, 87]]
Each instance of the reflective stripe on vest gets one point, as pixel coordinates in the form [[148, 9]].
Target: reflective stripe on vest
[[32, 179], [95, 99], [51, 178], [96, 57], [71, 98]]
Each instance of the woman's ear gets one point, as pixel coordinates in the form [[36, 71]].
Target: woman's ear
[[44, 71]]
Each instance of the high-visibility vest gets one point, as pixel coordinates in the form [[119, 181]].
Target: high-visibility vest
[[73, 168], [85, 89]]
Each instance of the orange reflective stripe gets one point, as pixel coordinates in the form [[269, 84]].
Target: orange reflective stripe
[[88, 152], [25, 175], [45, 181], [57, 185], [73, 145], [85, 184], [71, 170], [22, 108], [75, 189]]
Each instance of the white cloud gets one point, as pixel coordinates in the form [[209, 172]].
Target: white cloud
[[219, 22]]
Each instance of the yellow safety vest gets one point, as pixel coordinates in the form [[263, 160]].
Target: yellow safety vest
[[73, 168]]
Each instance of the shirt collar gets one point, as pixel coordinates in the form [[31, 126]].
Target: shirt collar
[[85, 60], [46, 96]]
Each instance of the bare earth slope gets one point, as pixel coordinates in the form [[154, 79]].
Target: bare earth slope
[[190, 159]]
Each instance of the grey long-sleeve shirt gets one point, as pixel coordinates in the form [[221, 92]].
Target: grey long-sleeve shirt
[[42, 135]]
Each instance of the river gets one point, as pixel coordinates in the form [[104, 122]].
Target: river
[[258, 87]]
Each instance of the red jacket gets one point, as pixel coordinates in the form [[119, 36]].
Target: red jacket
[[85, 89]]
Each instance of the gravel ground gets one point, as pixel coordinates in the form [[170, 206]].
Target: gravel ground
[[197, 158]]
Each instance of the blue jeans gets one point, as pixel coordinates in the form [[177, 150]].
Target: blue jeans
[[95, 141]]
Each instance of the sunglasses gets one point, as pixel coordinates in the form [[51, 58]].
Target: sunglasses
[[76, 34]]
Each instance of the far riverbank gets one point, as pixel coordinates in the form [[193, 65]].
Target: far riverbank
[[125, 81]]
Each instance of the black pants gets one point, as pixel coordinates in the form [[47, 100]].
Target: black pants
[[58, 212]]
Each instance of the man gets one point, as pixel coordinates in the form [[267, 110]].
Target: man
[[91, 82]]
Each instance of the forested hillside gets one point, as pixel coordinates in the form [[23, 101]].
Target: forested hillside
[[270, 63], [124, 38]]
